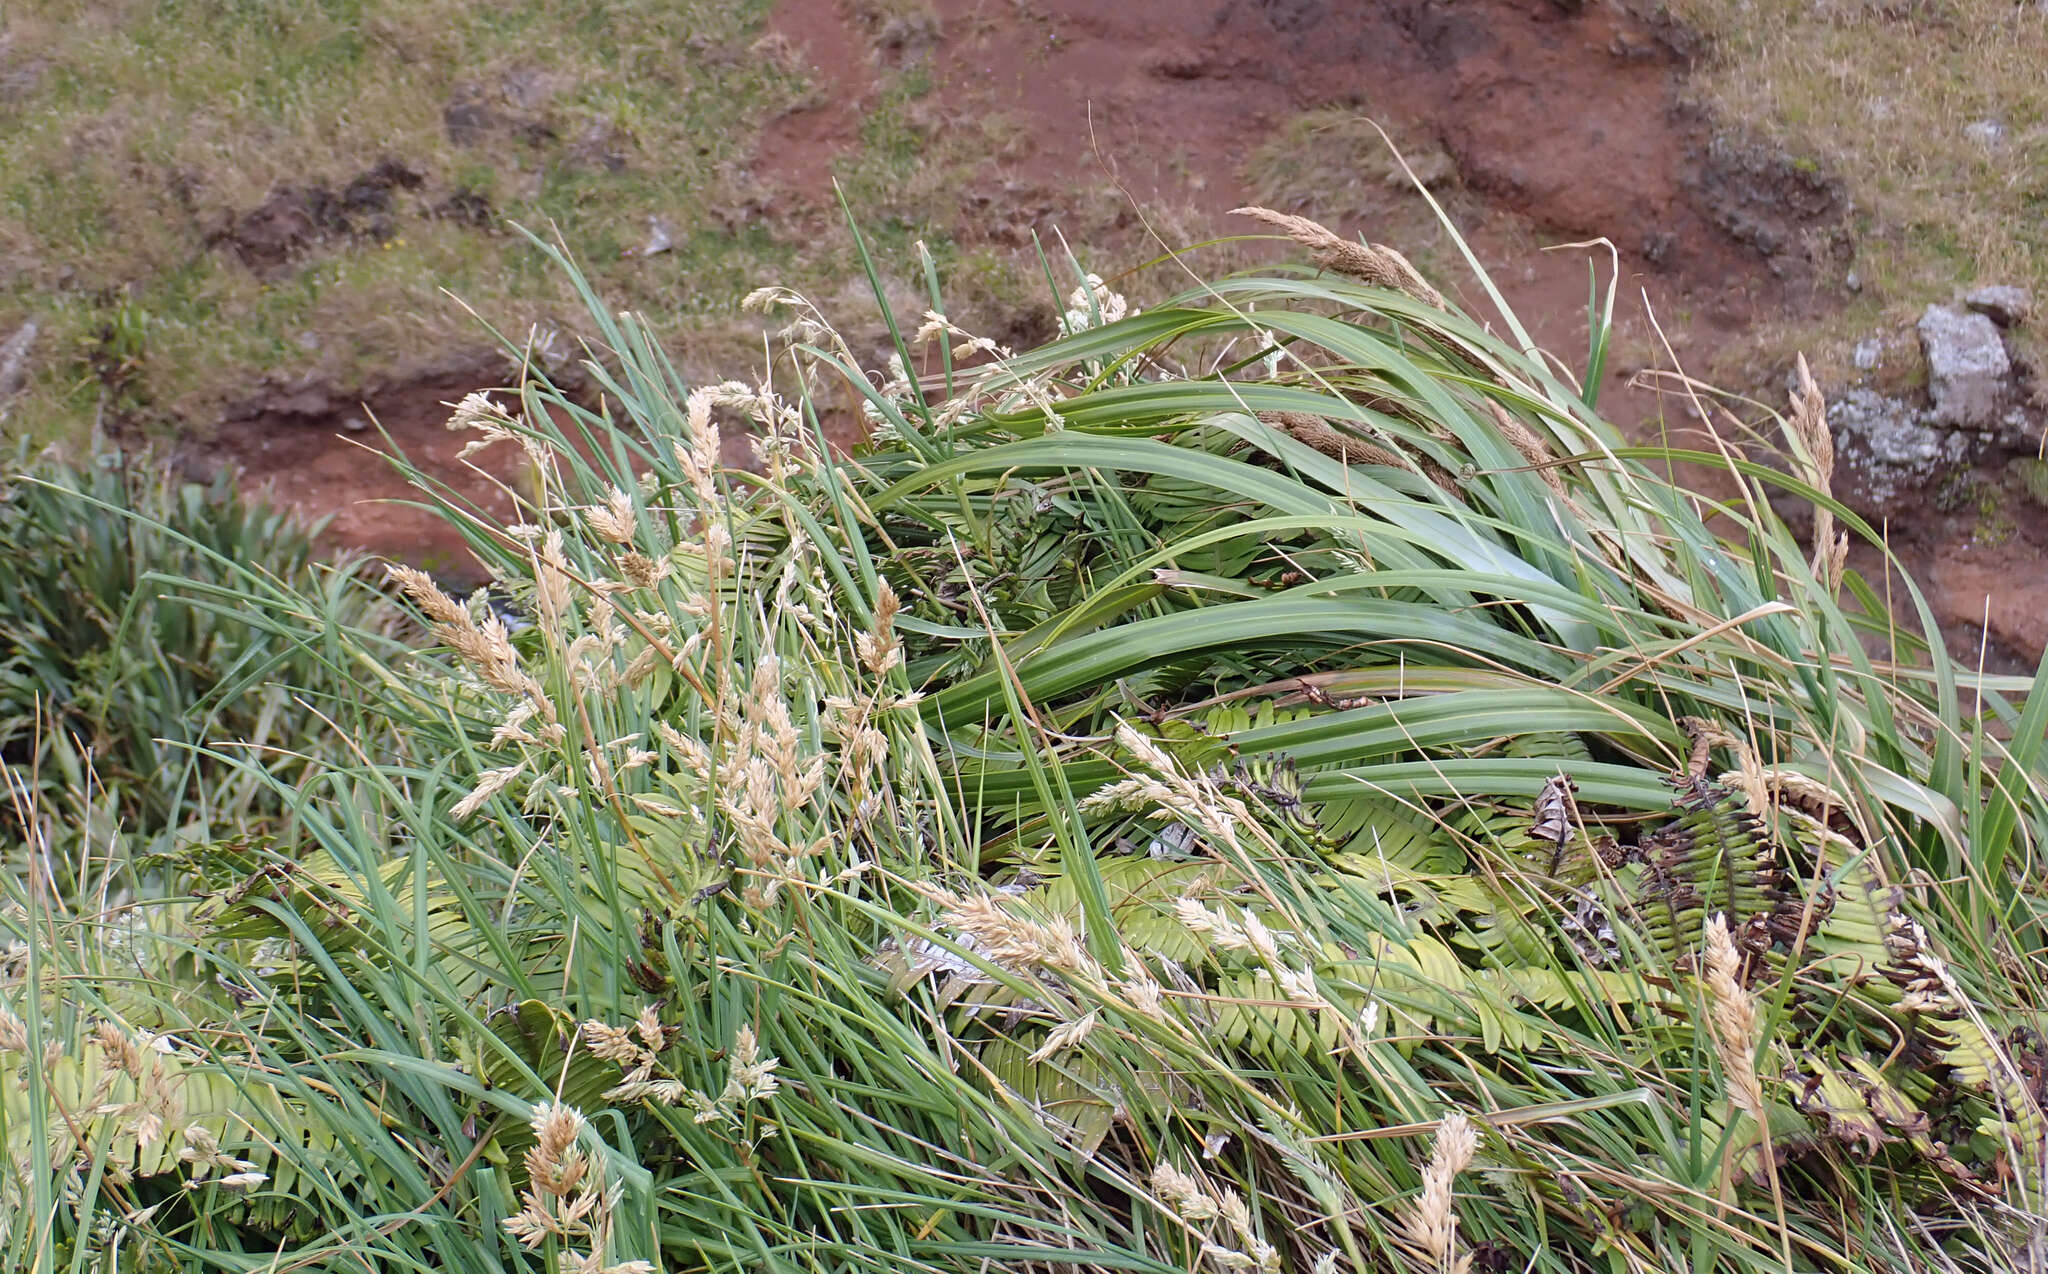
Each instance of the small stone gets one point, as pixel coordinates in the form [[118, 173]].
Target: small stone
[[1885, 451], [1904, 445], [1968, 372], [14, 364], [2002, 303], [1988, 133], [355, 424], [2023, 433], [1854, 282], [659, 238], [1869, 353]]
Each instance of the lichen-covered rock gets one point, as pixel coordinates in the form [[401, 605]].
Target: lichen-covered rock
[[1886, 451], [1968, 372], [2002, 303]]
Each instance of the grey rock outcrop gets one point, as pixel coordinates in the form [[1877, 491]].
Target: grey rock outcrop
[[2002, 303], [1887, 449], [1969, 375]]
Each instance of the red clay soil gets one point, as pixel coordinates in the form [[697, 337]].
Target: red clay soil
[[1572, 124], [302, 449], [314, 449], [1564, 123]]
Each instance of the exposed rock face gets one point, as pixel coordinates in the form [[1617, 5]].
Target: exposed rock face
[[1887, 449], [1788, 210], [1968, 373], [2002, 303], [1952, 475]]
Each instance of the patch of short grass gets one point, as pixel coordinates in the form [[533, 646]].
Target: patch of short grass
[[139, 134], [1934, 112]]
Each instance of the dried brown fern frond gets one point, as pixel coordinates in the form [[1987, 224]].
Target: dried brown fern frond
[[1374, 263]]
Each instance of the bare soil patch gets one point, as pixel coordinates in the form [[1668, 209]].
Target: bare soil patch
[[1564, 126], [291, 220], [321, 450], [1538, 124]]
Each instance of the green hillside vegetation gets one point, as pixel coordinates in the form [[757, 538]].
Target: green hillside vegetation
[[195, 197], [1265, 782], [126, 649], [1934, 114]]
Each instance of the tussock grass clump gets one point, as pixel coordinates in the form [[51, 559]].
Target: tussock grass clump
[[1093, 826], [132, 637]]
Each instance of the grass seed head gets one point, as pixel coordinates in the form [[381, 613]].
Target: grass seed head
[[1524, 439], [698, 455], [1733, 1019], [427, 595], [1063, 1037], [1142, 989], [554, 1160], [119, 1048], [1201, 1206], [1432, 1226], [613, 520], [642, 571], [565, 1196], [551, 580], [1183, 1194], [1313, 430], [1809, 427], [488, 784], [1005, 938], [1376, 264], [478, 411]]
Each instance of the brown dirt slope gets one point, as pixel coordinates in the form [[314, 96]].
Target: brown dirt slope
[[990, 126], [1556, 126]]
